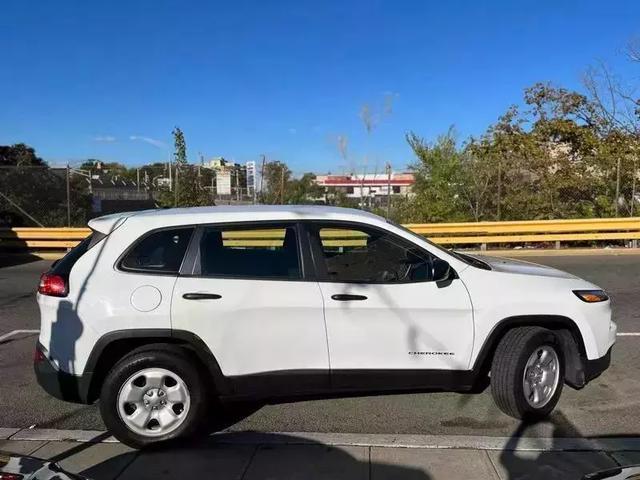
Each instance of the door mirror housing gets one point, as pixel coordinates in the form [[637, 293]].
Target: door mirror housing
[[440, 270]]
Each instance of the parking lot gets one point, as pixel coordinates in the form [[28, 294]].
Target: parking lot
[[606, 407]]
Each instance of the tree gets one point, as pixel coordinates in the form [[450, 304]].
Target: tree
[[303, 190], [188, 188], [437, 173], [30, 190], [19, 155], [276, 178]]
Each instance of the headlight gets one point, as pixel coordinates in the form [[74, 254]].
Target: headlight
[[591, 296]]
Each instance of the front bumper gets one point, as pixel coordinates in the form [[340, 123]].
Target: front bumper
[[593, 368], [62, 385]]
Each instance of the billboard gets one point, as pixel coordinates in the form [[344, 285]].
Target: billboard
[[223, 183]]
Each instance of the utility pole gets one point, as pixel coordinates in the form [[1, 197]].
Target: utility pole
[[68, 197], [282, 185], [264, 159], [175, 191], [617, 205], [170, 179], [388, 168], [138, 178], [499, 190], [633, 188]]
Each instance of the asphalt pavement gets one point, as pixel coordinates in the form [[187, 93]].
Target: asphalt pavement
[[607, 407]]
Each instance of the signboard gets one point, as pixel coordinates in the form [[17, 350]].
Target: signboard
[[223, 183]]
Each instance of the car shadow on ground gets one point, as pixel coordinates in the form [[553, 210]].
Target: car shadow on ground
[[12, 259], [228, 456], [569, 455], [255, 455]]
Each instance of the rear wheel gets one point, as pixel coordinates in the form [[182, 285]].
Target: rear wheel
[[152, 396], [527, 373]]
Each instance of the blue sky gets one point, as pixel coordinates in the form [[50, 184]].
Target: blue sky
[[110, 80]]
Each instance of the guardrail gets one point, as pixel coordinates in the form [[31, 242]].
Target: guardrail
[[463, 234]]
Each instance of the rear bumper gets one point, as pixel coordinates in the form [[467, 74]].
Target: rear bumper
[[59, 384]]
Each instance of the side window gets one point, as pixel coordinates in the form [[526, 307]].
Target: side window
[[269, 252], [371, 256], [160, 252]]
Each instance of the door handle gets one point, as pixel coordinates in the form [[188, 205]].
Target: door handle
[[345, 297], [201, 296]]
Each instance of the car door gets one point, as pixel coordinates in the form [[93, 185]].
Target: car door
[[247, 298], [385, 316]]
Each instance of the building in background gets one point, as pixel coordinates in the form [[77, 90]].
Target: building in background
[[231, 184], [369, 189], [250, 168]]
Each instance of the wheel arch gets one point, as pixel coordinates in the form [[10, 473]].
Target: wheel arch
[[113, 346], [566, 329]]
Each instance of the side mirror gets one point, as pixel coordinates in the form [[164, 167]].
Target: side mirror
[[440, 270]]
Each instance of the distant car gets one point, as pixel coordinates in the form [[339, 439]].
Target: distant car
[[156, 313], [19, 467]]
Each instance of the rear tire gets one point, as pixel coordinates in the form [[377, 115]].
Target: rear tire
[[527, 373], [153, 396]]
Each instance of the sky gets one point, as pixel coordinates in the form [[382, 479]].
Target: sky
[[110, 80]]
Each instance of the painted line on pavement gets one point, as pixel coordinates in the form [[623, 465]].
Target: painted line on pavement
[[628, 334], [479, 442], [16, 332]]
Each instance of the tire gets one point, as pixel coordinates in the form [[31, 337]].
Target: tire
[[517, 354], [148, 378]]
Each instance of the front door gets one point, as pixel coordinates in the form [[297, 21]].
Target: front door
[[247, 299], [385, 316]]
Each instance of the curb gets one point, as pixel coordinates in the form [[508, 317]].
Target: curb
[[534, 444]]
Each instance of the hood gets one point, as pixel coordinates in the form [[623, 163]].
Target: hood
[[509, 265]]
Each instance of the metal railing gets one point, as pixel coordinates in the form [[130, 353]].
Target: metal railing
[[463, 234]]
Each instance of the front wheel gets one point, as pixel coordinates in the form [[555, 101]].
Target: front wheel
[[527, 373], [152, 396]]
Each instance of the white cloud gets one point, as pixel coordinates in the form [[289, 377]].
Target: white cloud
[[104, 138], [149, 140]]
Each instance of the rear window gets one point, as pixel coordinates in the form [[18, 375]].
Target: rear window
[[63, 266], [159, 252], [269, 252]]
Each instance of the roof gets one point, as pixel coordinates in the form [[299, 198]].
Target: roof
[[231, 213]]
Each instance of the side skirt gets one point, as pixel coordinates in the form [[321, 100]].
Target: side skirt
[[292, 385]]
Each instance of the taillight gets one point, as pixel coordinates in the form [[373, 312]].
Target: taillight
[[10, 476], [52, 285], [38, 355]]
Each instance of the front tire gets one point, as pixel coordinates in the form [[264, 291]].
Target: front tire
[[152, 396], [527, 373]]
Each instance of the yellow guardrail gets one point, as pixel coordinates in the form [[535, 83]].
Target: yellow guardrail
[[467, 234]]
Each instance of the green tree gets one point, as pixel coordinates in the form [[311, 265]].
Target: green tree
[[29, 189], [276, 179], [188, 188], [303, 190]]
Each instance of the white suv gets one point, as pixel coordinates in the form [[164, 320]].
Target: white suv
[[158, 313]]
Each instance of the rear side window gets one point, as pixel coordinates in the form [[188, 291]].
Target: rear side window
[[159, 252], [269, 252], [65, 264]]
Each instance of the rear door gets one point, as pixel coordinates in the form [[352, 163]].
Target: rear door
[[386, 318], [246, 296]]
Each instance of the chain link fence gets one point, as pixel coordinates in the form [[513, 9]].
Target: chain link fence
[[43, 196]]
